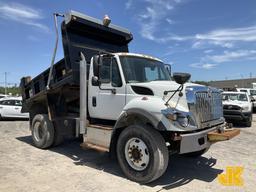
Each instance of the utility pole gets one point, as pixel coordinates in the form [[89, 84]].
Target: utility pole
[[5, 83]]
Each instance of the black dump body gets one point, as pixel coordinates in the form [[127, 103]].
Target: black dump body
[[80, 33]]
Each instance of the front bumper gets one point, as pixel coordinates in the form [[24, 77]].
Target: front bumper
[[198, 141], [236, 115]]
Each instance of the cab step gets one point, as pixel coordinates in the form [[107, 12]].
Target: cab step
[[97, 137], [87, 145]]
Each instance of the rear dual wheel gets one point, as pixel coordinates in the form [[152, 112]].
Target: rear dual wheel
[[42, 131], [142, 153]]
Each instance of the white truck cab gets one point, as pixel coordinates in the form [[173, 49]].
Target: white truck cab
[[124, 77], [126, 81]]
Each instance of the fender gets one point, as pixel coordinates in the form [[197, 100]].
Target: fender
[[123, 121], [141, 113]]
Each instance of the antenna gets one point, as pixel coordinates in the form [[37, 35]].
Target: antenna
[[5, 82]]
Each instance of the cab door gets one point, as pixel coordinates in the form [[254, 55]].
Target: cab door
[[107, 100]]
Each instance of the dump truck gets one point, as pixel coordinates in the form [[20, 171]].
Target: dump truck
[[123, 103]]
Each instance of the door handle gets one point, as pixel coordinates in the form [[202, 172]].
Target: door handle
[[1, 107], [16, 108], [94, 102]]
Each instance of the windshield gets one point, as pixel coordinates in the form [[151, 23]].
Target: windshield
[[235, 97], [252, 92], [139, 69]]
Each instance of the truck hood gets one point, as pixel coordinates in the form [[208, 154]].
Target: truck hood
[[234, 102], [158, 88]]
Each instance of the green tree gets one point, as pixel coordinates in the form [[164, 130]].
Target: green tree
[[11, 90], [201, 82]]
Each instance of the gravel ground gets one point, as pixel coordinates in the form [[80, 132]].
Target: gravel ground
[[69, 168]]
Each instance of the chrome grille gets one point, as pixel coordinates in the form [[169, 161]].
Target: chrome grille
[[209, 107], [205, 104]]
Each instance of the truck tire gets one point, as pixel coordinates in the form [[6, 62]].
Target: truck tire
[[196, 153], [142, 153], [249, 122], [42, 131]]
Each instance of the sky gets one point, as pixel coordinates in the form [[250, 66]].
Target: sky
[[211, 39]]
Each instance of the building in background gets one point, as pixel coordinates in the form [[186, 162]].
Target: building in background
[[235, 83]]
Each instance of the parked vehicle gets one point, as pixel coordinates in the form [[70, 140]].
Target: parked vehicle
[[237, 107], [3, 96], [251, 93], [10, 108], [122, 103]]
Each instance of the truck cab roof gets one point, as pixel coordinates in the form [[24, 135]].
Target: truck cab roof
[[138, 55]]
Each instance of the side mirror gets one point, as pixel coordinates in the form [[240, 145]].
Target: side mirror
[[97, 61], [168, 68], [181, 78], [101, 72], [252, 99]]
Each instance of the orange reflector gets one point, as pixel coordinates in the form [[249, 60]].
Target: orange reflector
[[144, 98]]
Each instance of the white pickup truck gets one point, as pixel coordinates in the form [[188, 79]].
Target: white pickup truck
[[237, 107], [251, 93], [121, 102]]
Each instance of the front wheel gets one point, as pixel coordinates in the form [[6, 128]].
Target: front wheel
[[142, 153]]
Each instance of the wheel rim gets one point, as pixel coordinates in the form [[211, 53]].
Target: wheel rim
[[137, 154], [38, 131]]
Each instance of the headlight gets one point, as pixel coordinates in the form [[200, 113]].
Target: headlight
[[171, 116], [183, 121], [245, 108]]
